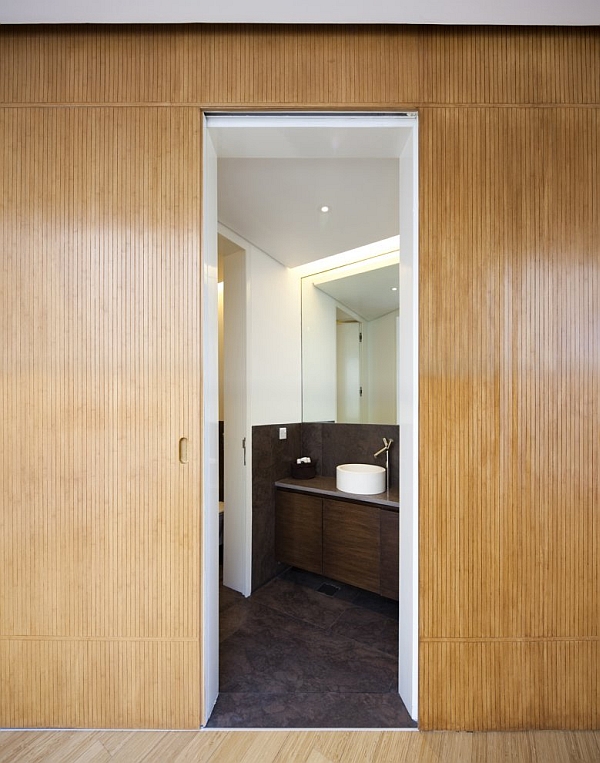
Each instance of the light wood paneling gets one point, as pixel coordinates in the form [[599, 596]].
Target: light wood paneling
[[394, 67], [99, 325], [509, 244], [99, 683], [516, 682], [510, 551]]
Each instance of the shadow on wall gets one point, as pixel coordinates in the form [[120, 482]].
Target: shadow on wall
[[327, 444]]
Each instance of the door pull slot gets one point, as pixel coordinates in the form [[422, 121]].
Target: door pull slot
[[183, 450]]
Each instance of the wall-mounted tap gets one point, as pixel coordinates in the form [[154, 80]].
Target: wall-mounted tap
[[387, 444]]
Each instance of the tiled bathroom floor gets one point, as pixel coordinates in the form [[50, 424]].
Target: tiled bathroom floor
[[292, 657]]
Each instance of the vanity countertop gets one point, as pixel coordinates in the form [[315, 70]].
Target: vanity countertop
[[326, 486]]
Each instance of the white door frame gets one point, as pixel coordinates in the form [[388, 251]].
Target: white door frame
[[408, 399], [209, 615]]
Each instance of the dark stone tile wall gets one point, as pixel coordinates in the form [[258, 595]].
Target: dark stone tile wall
[[328, 445], [271, 461], [312, 444], [334, 444]]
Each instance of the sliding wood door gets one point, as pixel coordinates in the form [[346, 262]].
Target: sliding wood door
[[100, 335], [509, 490]]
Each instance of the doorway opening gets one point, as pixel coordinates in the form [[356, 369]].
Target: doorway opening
[[261, 151]]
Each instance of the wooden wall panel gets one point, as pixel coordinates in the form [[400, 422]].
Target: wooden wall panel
[[509, 420], [509, 244], [99, 322], [232, 65], [510, 684], [99, 683]]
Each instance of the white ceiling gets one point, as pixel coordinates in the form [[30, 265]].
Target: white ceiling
[[275, 204], [276, 172], [513, 12]]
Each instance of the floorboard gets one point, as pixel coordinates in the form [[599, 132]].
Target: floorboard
[[274, 746]]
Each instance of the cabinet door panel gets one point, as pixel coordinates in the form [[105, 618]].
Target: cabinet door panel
[[299, 531], [351, 545], [389, 554]]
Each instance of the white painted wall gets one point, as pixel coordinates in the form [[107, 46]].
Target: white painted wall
[[318, 355], [382, 369], [262, 382], [237, 523], [405, 380], [221, 351], [274, 352], [273, 331]]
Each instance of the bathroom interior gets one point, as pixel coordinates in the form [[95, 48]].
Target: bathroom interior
[[309, 618]]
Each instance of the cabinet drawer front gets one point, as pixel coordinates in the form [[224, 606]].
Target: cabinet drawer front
[[299, 531], [351, 546]]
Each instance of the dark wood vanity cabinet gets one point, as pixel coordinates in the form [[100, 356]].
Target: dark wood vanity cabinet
[[389, 548], [351, 542], [299, 530]]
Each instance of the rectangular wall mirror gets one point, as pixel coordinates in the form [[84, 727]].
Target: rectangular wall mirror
[[350, 341]]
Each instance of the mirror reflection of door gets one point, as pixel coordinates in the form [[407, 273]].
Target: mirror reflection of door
[[349, 387]]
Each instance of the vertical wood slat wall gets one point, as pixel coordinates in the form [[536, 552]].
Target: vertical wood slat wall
[[509, 323], [99, 540], [510, 547]]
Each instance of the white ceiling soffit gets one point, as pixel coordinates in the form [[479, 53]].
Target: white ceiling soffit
[[510, 12], [293, 136], [276, 204]]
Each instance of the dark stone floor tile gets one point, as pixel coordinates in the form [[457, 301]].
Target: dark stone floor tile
[[312, 580], [301, 602], [294, 657], [369, 628], [228, 597], [309, 710], [375, 603], [275, 654], [233, 617], [346, 593], [302, 577]]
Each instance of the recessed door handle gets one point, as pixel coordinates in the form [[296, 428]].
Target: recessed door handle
[[183, 450]]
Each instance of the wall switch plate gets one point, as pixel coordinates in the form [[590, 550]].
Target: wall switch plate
[[283, 433]]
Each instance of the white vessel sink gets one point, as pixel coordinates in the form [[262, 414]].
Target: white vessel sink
[[361, 479]]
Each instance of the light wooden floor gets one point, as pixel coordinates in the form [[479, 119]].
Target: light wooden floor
[[299, 746]]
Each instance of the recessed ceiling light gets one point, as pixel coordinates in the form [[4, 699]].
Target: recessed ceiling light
[[324, 208], [394, 288]]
